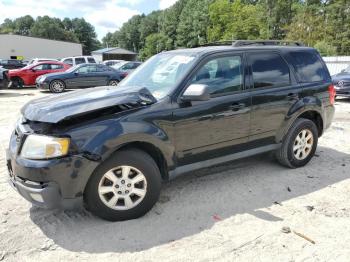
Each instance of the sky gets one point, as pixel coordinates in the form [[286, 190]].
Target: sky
[[105, 15]]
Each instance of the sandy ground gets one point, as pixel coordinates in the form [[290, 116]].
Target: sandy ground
[[233, 212]]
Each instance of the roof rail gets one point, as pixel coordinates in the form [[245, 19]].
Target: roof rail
[[237, 43], [265, 42]]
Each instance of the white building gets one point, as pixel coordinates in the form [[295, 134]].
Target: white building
[[26, 48]]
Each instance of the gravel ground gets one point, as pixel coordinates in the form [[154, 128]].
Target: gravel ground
[[233, 212]]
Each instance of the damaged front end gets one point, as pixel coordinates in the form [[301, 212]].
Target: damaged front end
[[52, 151]]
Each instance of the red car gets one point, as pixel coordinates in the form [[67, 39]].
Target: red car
[[27, 75]]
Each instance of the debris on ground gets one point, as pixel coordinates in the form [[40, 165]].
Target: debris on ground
[[286, 230], [277, 203], [310, 208], [217, 217], [305, 237]]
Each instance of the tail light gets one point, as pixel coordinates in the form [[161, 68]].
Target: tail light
[[332, 94]]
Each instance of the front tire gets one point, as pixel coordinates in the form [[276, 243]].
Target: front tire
[[299, 145], [57, 86], [113, 83], [17, 82], [126, 186]]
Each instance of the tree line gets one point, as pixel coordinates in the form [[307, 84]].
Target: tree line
[[74, 30], [324, 24]]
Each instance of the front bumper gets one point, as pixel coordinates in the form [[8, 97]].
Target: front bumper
[[53, 183], [342, 91], [42, 85]]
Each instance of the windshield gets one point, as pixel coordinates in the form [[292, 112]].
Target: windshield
[[347, 70], [118, 65], [161, 73]]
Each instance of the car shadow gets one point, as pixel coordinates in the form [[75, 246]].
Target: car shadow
[[11, 94], [195, 202]]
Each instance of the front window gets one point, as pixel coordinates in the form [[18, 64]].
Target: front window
[[161, 73]]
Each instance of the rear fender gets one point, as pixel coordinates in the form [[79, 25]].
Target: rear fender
[[306, 104]]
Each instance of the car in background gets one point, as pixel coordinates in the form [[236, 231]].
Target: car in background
[[77, 60], [125, 68], [27, 75], [11, 63], [112, 62], [80, 76], [4, 79], [38, 60], [341, 82]]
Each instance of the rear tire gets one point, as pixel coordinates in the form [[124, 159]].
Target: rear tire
[[113, 192], [299, 145], [57, 86]]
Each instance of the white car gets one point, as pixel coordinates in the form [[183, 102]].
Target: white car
[[77, 60], [38, 60]]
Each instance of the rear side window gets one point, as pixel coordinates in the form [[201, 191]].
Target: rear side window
[[79, 60], [269, 70], [91, 60], [56, 66], [308, 66]]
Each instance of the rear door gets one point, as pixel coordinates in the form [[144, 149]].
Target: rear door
[[102, 73], [274, 91], [219, 126]]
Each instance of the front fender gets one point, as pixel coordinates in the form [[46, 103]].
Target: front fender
[[104, 138], [306, 104]]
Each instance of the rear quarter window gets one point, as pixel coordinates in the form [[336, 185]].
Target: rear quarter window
[[308, 66], [91, 60], [79, 60]]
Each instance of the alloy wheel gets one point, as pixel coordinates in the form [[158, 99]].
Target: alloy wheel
[[303, 144], [122, 188]]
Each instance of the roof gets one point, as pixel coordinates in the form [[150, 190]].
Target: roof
[[37, 37], [113, 50], [210, 49]]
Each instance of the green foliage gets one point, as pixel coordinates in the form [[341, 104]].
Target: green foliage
[[154, 44], [74, 30], [188, 23], [193, 23], [234, 20], [325, 49]]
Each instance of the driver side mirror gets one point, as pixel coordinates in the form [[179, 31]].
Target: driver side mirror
[[196, 92]]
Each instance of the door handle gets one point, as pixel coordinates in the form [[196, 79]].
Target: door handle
[[237, 106], [293, 96]]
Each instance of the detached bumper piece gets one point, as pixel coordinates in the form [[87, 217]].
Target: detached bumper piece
[[45, 195]]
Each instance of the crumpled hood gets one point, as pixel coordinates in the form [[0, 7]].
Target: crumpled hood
[[56, 108]]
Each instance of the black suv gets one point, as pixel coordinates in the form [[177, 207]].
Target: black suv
[[182, 110]]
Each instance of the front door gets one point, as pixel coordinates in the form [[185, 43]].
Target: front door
[[85, 76], [209, 129]]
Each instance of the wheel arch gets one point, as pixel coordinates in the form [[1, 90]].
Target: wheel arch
[[311, 110]]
